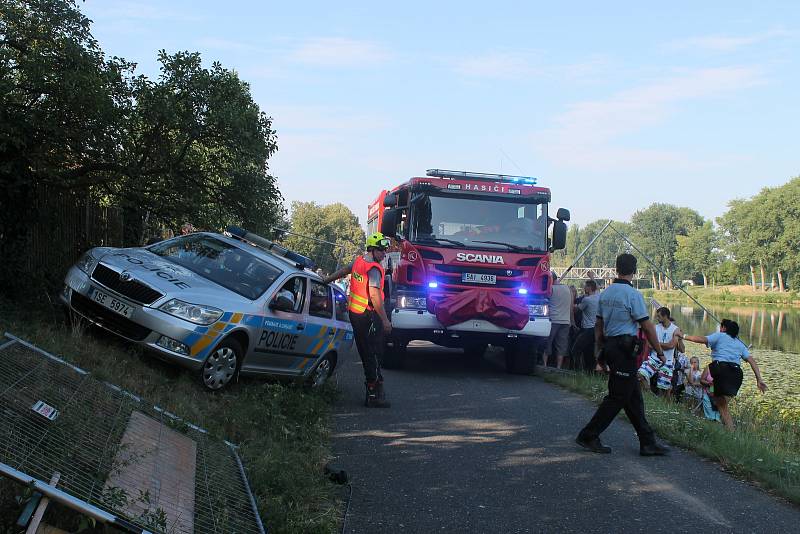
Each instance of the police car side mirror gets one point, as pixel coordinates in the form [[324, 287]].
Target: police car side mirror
[[281, 303], [559, 235]]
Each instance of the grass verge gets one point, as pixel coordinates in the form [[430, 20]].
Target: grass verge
[[764, 449], [283, 430]]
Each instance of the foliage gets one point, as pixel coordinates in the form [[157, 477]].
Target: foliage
[[697, 251], [334, 223], [656, 228], [191, 145], [604, 251]]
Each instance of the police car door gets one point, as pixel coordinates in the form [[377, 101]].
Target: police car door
[[282, 339], [321, 330]]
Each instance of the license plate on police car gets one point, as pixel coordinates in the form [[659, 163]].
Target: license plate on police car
[[479, 278], [111, 303]]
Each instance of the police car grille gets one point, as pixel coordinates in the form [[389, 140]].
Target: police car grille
[[108, 319], [134, 289]]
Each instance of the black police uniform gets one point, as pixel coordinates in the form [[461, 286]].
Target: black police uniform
[[620, 352]]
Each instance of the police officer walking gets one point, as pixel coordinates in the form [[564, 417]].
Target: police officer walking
[[367, 314], [620, 310]]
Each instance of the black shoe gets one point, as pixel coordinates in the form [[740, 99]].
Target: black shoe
[[593, 445], [376, 398], [653, 450]]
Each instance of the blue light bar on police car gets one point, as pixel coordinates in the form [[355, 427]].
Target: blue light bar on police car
[[466, 175], [298, 259]]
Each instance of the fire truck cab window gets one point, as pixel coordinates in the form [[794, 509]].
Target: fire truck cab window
[[466, 220]]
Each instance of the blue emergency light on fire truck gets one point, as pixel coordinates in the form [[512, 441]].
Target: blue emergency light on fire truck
[[460, 231]]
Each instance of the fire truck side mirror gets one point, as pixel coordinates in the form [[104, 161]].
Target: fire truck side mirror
[[562, 214], [389, 222], [559, 235], [390, 200]]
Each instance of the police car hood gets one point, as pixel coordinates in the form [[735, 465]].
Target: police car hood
[[165, 276]]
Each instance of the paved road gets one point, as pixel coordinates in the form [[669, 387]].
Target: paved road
[[472, 449]]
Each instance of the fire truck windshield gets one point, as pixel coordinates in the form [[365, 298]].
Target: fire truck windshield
[[479, 223]]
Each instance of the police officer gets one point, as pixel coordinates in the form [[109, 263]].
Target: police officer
[[621, 309], [367, 314]]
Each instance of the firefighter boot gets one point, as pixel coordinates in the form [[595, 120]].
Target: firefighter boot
[[374, 396]]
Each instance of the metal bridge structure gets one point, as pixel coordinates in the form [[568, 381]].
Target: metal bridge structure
[[599, 273]]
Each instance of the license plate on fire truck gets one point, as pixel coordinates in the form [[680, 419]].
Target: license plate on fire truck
[[479, 278]]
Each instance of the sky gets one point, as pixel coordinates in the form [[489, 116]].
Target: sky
[[613, 106]]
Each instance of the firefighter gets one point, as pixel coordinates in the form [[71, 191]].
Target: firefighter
[[367, 314]]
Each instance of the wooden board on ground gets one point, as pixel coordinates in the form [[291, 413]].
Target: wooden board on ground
[[159, 462]]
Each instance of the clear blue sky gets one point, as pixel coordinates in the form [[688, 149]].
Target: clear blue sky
[[612, 105]]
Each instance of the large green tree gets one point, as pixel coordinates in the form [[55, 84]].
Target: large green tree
[[655, 230], [697, 252], [331, 234], [191, 145]]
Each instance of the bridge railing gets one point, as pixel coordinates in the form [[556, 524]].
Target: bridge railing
[[582, 273]]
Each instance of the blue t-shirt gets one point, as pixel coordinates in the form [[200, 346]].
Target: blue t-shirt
[[621, 307], [724, 348]]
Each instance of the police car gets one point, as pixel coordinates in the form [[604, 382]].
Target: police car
[[216, 304]]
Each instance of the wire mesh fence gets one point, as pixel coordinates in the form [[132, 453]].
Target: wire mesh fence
[[116, 452]]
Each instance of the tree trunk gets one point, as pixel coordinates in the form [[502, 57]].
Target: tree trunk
[[763, 284], [653, 276], [660, 282], [705, 280], [753, 276], [780, 282], [772, 283]]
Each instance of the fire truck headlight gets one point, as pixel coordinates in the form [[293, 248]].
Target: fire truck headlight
[[408, 301], [433, 285], [522, 291], [538, 310]]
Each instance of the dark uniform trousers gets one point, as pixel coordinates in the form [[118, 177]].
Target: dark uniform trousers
[[368, 334], [623, 392]]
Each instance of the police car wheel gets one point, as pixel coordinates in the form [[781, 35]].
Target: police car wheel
[[322, 372], [221, 365]]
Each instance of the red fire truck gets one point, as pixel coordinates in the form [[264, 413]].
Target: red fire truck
[[471, 262]]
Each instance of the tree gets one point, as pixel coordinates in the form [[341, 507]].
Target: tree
[[334, 223], [655, 231], [697, 251], [189, 146]]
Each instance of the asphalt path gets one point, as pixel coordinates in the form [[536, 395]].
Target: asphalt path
[[469, 448]]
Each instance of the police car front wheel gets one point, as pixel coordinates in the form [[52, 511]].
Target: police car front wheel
[[221, 365]]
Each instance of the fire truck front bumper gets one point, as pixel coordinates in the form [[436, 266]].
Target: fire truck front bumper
[[410, 324]]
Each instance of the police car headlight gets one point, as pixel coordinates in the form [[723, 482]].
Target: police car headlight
[[195, 313], [538, 310], [86, 262], [408, 301]]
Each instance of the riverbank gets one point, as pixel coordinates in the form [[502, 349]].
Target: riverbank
[[728, 294], [764, 449], [283, 430]]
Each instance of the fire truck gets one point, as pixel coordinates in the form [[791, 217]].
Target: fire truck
[[470, 264]]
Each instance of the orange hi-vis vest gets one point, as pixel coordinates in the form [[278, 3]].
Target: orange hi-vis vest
[[359, 285]]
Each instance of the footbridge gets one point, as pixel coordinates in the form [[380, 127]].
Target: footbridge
[[582, 273]]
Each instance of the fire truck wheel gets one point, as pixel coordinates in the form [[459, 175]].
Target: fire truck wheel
[[520, 357], [475, 351], [394, 355]]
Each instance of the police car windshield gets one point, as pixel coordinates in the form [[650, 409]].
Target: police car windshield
[[220, 262], [479, 222]]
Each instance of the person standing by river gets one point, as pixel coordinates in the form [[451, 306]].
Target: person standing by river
[[727, 350]]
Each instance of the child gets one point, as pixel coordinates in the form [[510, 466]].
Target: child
[[693, 386], [709, 409]]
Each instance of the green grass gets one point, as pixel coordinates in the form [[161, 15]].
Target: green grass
[[723, 295], [764, 449], [283, 429]]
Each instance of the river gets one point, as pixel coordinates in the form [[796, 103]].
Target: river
[[773, 332]]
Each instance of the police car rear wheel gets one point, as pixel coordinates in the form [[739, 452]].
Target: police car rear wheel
[[221, 365]]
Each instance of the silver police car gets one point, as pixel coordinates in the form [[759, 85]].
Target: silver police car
[[216, 304]]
